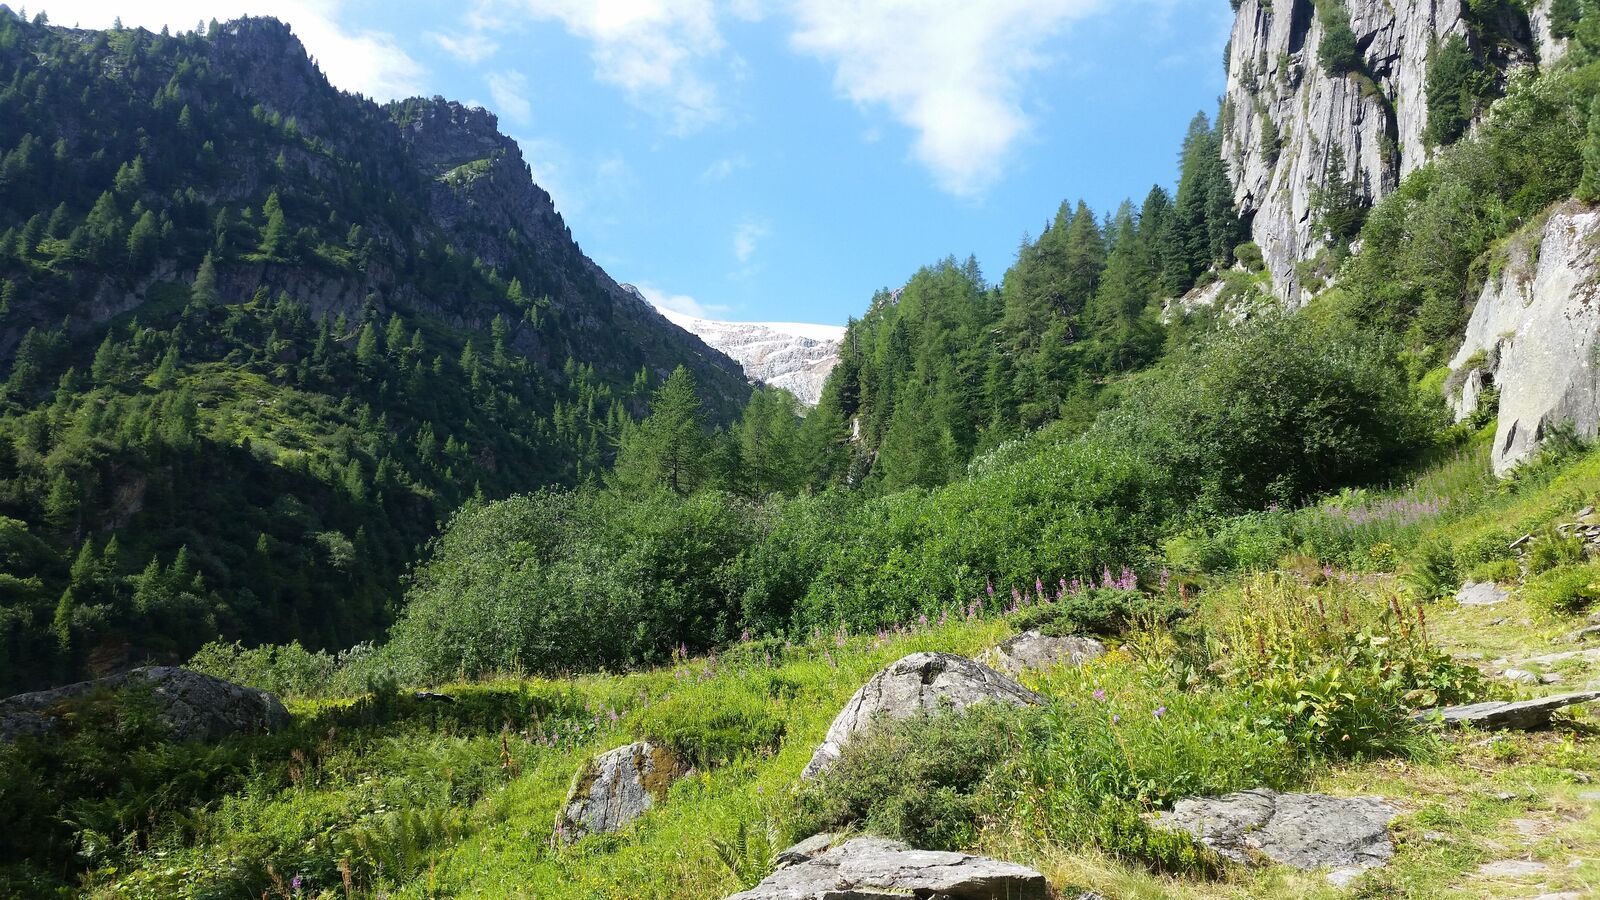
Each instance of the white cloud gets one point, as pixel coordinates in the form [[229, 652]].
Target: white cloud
[[510, 92], [952, 70], [681, 304], [723, 169], [651, 49], [369, 62], [471, 48], [747, 237]]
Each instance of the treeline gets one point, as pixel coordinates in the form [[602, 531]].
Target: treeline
[[1273, 412], [949, 367]]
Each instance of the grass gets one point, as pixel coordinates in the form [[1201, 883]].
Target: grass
[[1298, 679]]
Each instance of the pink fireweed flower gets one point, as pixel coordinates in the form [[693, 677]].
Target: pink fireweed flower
[[990, 586], [1099, 695]]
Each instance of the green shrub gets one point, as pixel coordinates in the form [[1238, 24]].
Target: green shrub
[[1503, 571], [926, 781], [1432, 572], [1100, 611], [1567, 590], [1551, 550]]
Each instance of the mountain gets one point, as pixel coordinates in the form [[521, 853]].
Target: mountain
[[798, 358], [262, 336]]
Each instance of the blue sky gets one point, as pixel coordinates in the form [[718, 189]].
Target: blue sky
[[780, 160]]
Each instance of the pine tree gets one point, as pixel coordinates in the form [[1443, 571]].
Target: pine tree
[[368, 348], [107, 366], [204, 293], [61, 503], [275, 235], [668, 449], [143, 241]]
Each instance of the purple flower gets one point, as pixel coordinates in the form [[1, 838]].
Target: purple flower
[[295, 883], [1116, 719], [1100, 695], [1160, 711]]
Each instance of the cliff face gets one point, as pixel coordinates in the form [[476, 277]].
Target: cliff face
[[1285, 115], [1535, 337]]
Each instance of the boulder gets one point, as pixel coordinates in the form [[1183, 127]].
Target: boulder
[[191, 706], [615, 788], [1306, 831], [1475, 593], [1037, 650], [920, 684], [870, 868], [1526, 715]]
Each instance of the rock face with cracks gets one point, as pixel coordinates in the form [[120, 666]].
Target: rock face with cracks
[[615, 788], [1525, 715], [920, 684], [1034, 650], [1306, 831], [191, 706], [870, 868]]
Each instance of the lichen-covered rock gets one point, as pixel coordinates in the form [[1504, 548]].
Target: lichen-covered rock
[[191, 706], [615, 788], [1535, 334], [869, 868], [920, 684], [1034, 650], [1306, 831]]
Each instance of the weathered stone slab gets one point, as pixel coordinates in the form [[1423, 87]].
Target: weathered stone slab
[[192, 706], [1524, 715], [920, 684], [1475, 593], [870, 868], [615, 788], [1034, 650], [1306, 831]]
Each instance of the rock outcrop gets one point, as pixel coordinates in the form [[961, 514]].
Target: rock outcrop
[[1306, 831], [1475, 593], [191, 706], [1535, 336], [1525, 715], [870, 868], [920, 684], [1285, 114], [615, 788], [795, 357], [1033, 650]]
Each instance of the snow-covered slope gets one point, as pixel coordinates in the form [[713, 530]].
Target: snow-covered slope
[[788, 355]]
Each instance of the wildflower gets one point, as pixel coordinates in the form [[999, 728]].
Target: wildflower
[[922, 621], [1100, 695], [1116, 719], [1166, 579], [1160, 711], [295, 883], [744, 636], [990, 586]]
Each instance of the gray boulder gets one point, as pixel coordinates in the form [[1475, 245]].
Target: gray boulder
[[615, 788], [920, 684], [869, 868], [1526, 715], [1033, 650], [1475, 593], [1306, 831], [191, 706]]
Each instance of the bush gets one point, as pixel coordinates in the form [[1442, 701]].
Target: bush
[[926, 781], [713, 727], [1101, 611], [1551, 550], [1433, 572], [1503, 571], [1568, 590]]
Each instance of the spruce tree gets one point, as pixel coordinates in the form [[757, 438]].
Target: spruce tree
[[1589, 185], [204, 292]]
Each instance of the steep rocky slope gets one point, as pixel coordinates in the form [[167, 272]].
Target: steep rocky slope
[[1287, 120], [1534, 338], [792, 356]]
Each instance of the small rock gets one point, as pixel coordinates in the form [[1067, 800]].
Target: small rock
[[870, 868], [1306, 831], [1475, 593], [1590, 796], [615, 788], [1586, 513], [1342, 878], [431, 697], [1528, 827], [1550, 678], [920, 684], [1520, 676], [816, 845], [1433, 837], [1512, 868], [1033, 650], [1521, 542], [1551, 659], [1525, 715], [1564, 895], [1583, 634]]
